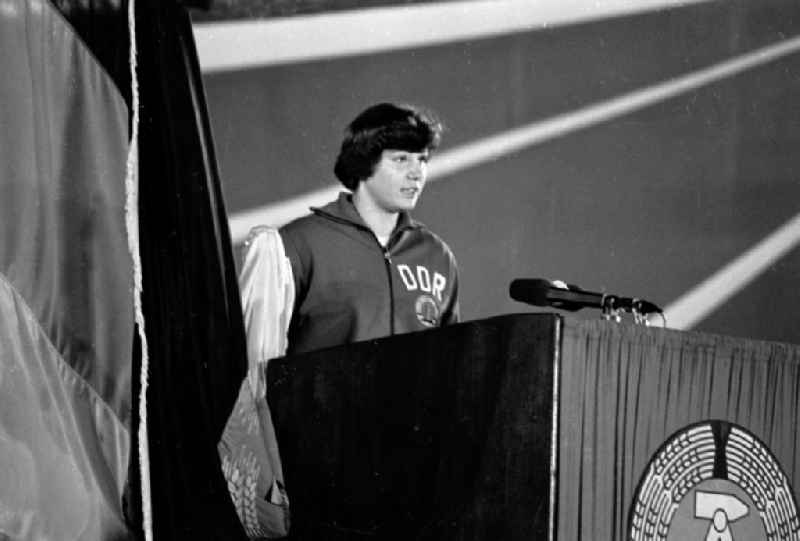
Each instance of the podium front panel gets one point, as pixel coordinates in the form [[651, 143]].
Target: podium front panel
[[443, 434]]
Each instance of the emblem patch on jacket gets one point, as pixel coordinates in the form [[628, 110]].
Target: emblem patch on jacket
[[427, 311]]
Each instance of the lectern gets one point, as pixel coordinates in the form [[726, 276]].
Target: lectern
[[536, 427]]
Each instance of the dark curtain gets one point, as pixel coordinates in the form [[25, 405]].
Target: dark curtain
[[190, 295], [626, 390]]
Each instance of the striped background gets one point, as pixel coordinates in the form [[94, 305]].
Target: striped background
[[642, 148]]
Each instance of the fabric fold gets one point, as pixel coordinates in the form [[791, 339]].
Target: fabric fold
[[248, 448]]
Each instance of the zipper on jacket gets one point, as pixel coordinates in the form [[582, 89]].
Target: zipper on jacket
[[387, 259]]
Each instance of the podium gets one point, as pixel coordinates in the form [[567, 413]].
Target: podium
[[537, 427]]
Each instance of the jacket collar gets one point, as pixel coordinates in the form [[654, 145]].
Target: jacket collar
[[342, 209]]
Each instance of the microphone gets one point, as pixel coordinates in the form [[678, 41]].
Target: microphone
[[541, 292]]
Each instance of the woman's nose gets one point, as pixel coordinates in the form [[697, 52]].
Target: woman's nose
[[417, 170]]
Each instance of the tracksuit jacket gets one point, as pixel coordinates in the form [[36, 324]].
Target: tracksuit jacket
[[350, 288]]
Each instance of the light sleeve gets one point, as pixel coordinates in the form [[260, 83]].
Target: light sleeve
[[268, 291]]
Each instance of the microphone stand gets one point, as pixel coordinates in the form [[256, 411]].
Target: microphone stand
[[613, 309]]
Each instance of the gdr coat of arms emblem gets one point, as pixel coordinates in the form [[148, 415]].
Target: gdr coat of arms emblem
[[714, 481]]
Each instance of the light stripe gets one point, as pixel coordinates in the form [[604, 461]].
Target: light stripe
[[503, 144], [255, 43], [277, 214], [715, 291]]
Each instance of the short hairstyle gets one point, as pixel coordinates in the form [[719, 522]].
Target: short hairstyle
[[384, 126]]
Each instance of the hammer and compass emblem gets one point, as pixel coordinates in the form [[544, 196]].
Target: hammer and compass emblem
[[721, 510]]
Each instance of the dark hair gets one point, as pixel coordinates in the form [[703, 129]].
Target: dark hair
[[384, 126]]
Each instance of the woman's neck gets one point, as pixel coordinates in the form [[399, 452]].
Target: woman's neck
[[378, 219]]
